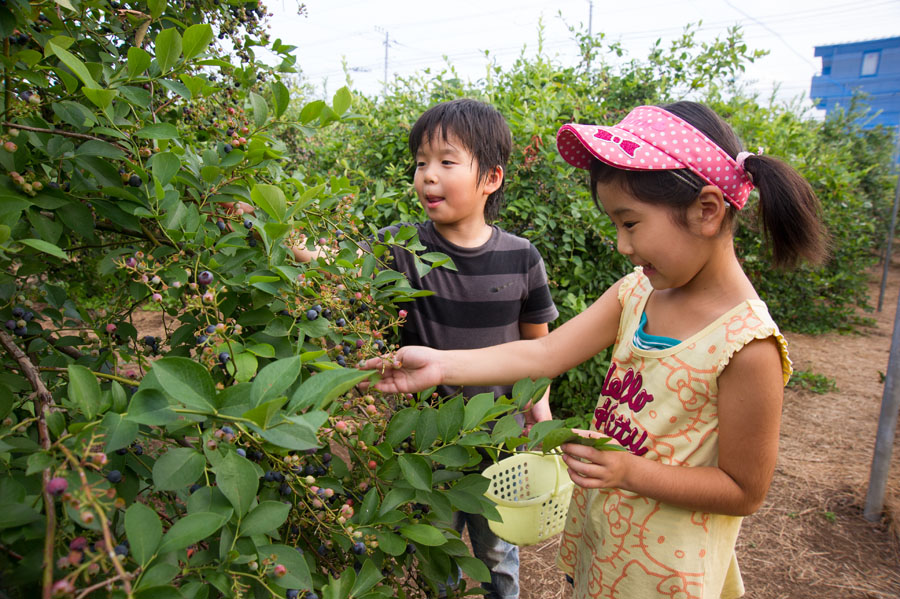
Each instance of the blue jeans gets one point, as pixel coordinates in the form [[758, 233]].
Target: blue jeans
[[501, 558]]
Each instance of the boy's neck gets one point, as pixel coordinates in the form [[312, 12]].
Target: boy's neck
[[467, 234]]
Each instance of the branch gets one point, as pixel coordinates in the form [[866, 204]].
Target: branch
[[104, 375], [43, 401], [87, 591], [66, 349], [62, 132]]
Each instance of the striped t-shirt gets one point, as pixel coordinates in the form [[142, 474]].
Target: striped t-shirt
[[495, 287]]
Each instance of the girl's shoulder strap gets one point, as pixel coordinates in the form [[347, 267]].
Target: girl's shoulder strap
[[634, 286]]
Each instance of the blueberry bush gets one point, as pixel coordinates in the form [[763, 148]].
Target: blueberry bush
[[148, 166], [548, 202]]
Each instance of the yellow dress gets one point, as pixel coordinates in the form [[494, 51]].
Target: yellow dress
[[662, 405]]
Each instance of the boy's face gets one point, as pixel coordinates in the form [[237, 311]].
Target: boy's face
[[446, 181]]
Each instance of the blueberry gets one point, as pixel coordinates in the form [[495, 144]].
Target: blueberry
[[285, 489], [410, 548], [202, 339], [28, 316], [135, 181], [211, 329], [114, 476], [326, 313], [137, 449], [150, 340], [18, 312], [20, 331], [229, 132], [292, 594], [251, 241], [205, 277], [248, 224], [317, 308], [326, 457], [341, 361], [269, 476], [10, 324], [359, 547], [379, 344], [223, 357], [194, 487], [340, 322], [122, 451], [227, 430], [310, 469], [240, 451], [311, 315], [227, 148], [121, 549], [221, 225], [346, 349], [279, 477], [311, 595]]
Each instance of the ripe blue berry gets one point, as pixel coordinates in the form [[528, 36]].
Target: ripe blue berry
[[241, 452], [10, 324], [223, 357], [340, 322], [211, 329], [202, 339], [150, 340], [135, 181], [220, 224], [292, 594], [227, 148], [359, 548], [205, 277], [285, 489], [18, 312], [227, 430], [194, 487], [248, 224], [114, 476], [311, 315], [121, 549]]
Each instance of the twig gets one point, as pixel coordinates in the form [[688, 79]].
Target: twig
[[43, 401], [87, 591], [62, 132], [111, 377]]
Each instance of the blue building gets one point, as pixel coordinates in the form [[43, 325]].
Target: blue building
[[871, 67]]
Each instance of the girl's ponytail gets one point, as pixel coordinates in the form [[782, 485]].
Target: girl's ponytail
[[789, 212]]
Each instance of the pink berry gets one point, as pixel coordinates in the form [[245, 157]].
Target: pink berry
[[402, 313], [63, 587], [110, 328], [10, 146], [279, 570], [57, 486]]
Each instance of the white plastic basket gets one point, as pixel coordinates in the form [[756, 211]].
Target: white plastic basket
[[532, 493]]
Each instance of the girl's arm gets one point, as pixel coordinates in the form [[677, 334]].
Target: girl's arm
[[414, 368], [750, 397]]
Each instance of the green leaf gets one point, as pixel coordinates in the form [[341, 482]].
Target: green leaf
[[297, 576], [237, 479], [423, 534], [164, 165], [119, 432], [143, 528], [13, 515], [99, 96], [265, 517], [263, 414], [73, 63], [416, 470], [281, 96], [341, 101], [311, 111], [246, 367], [97, 147], [138, 61], [505, 428], [390, 543], [73, 113], [427, 428], [178, 468], [559, 436], [186, 382], [158, 131], [271, 199], [395, 498], [368, 576], [477, 408], [157, 7], [474, 567], [401, 426], [168, 49], [274, 379], [298, 433], [197, 39], [322, 388], [150, 406], [189, 530], [369, 507], [84, 390], [45, 247], [450, 418], [260, 109]]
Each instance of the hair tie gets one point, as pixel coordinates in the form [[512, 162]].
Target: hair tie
[[741, 157]]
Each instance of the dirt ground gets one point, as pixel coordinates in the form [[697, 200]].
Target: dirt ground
[[810, 539]]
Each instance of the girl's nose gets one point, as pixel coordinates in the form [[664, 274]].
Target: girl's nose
[[623, 245]]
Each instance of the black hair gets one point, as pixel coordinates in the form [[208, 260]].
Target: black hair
[[480, 128], [789, 211]]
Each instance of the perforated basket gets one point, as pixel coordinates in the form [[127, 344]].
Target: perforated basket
[[532, 494]]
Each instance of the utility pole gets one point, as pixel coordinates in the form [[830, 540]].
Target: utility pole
[[590, 32], [387, 41]]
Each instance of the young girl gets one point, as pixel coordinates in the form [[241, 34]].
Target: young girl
[[695, 387]]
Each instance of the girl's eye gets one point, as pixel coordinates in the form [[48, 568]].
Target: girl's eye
[[629, 224]]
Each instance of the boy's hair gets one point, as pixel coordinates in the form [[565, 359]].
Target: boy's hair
[[480, 128], [789, 211]]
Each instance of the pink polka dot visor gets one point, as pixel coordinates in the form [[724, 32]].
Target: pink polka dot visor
[[650, 138]]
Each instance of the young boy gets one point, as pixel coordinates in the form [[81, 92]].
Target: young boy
[[499, 291]]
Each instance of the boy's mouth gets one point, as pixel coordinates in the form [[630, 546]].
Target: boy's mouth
[[432, 201]]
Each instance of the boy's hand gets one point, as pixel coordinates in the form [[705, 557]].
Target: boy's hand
[[412, 368]]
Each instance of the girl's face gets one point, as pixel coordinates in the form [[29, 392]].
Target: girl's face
[[671, 254]]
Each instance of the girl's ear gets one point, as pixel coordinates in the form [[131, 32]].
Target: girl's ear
[[493, 180], [709, 210]]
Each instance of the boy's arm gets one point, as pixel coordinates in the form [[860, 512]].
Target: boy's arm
[[540, 411]]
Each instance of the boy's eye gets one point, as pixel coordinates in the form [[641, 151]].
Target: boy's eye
[[420, 163], [447, 162]]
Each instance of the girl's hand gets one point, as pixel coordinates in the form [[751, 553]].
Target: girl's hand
[[412, 368], [593, 468]]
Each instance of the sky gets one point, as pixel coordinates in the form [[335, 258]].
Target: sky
[[425, 34]]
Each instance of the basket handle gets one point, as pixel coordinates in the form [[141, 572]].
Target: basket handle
[[558, 462]]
